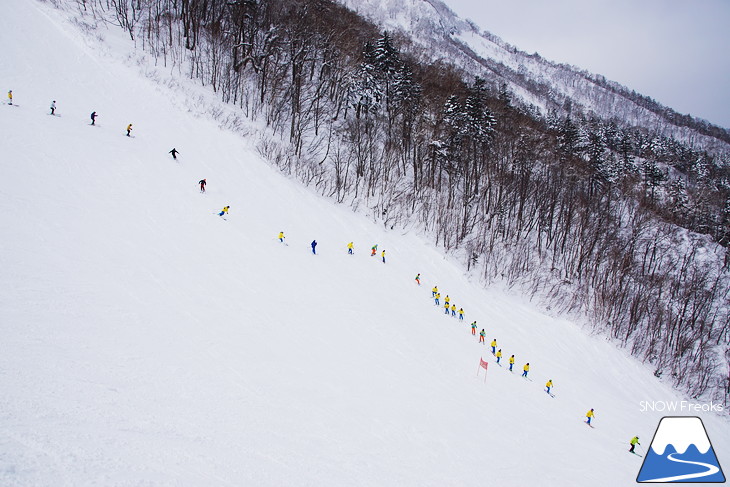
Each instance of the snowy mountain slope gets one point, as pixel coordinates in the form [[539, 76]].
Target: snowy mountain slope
[[547, 86], [145, 341]]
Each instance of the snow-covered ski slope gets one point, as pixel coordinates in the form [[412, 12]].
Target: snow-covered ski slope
[[146, 341]]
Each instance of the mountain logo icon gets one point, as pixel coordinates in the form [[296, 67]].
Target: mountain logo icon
[[681, 452]]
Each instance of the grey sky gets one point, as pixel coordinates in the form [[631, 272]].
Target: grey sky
[[675, 51]]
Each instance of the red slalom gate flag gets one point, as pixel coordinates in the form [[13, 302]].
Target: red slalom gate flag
[[483, 365]]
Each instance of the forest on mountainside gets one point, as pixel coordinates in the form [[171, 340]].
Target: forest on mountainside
[[545, 86], [620, 224]]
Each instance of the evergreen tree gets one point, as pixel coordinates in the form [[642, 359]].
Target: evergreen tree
[[365, 92], [723, 234], [453, 119], [505, 99], [679, 200], [406, 91], [596, 152], [385, 57], [568, 140], [626, 152], [653, 177], [478, 120]]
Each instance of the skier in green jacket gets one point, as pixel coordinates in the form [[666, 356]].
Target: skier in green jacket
[[634, 442]]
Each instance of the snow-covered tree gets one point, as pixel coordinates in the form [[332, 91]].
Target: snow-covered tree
[[678, 199]]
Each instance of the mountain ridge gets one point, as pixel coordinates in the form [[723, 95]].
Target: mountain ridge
[[552, 88]]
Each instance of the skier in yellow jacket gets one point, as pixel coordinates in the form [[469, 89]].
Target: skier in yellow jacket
[[511, 362], [350, 247], [499, 355], [589, 416], [129, 130], [281, 237], [549, 386], [494, 346], [634, 441], [525, 369], [434, 291], [224, 211]]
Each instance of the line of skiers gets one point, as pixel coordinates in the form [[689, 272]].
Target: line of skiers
[[10, 102], [93, 117], [350, 250], [53, 111], [482, 334], [350, 246], [449, 307], [497, 353]]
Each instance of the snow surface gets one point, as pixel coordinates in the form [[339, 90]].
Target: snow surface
[[146, 341]]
